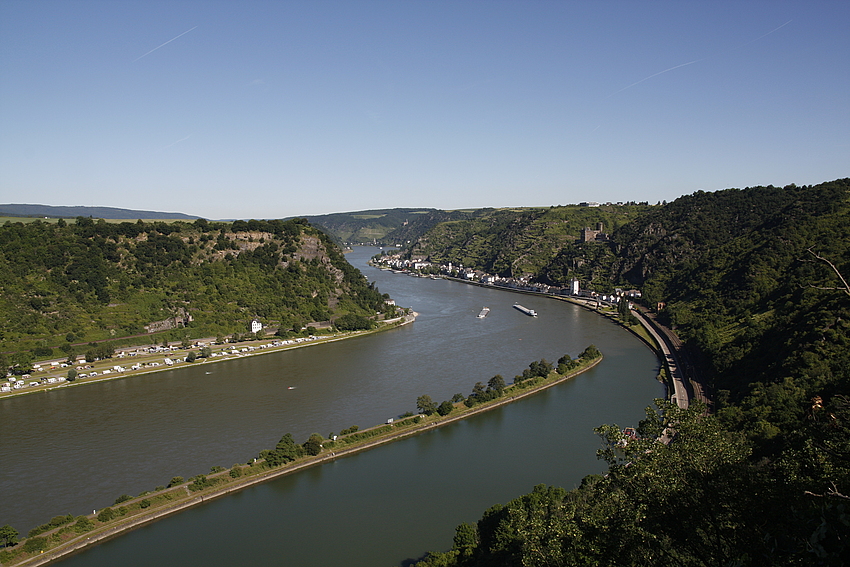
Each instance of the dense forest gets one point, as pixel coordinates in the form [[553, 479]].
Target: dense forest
[[755, 282], [66, 285]]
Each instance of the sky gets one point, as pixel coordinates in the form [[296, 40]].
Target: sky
[[255, 109]]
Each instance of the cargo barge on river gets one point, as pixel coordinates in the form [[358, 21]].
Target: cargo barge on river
[[526, 310]]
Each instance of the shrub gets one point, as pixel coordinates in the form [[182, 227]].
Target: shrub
[[35, 544], [55, 522], [145, 503], [105, 515], [122, 498], [445, 408], [236, 471], [176, 481], [352, 322], [83, 525]]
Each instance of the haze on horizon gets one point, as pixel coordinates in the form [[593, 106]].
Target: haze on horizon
[[265, 109]]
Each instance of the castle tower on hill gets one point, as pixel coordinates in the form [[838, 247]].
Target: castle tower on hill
[[590, 235]]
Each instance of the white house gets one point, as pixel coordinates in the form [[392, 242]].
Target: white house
[[256, 326]]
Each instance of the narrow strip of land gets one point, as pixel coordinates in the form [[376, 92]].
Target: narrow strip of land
[[513, 393]]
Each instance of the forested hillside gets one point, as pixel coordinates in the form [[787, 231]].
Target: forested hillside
[[384, 226], [516, 242], [65, 285], [746, 277], [754, 280]]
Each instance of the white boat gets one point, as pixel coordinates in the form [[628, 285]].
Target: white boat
[[484, 312]]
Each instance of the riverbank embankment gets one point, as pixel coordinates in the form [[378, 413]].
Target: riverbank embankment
[[155, 362], [180, 497]]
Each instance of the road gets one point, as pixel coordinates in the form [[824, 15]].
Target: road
[[687, 378], [668, 351]]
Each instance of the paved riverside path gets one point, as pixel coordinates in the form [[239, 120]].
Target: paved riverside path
[[668, 351]]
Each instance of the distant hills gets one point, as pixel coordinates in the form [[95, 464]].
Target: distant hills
[[26, 210], [379, 226], [387, 226]]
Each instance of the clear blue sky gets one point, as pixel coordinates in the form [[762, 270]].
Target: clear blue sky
[[271, 109]]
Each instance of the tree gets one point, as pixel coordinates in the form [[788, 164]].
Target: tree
[[625, 312], [496, 383], [445, 408], [478, 391], [8, 535], [426, 405], [72, 374], [192, 356], [313, 445], [175, 481], [286, 450], [590, 353], [565, 364]]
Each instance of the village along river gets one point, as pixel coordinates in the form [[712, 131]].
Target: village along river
[[72, 450]]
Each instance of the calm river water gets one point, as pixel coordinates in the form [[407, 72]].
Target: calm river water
[[75, 449]]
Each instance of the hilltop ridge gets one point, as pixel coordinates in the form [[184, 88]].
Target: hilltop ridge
[[51, 211]]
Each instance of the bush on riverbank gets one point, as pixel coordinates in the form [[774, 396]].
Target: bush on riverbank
[[55, 522]]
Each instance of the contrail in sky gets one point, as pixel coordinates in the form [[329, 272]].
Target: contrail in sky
[[164, 44], [177, 142], [698, 60], [656, 74]]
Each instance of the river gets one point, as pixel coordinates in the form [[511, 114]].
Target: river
[[76, 449]]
